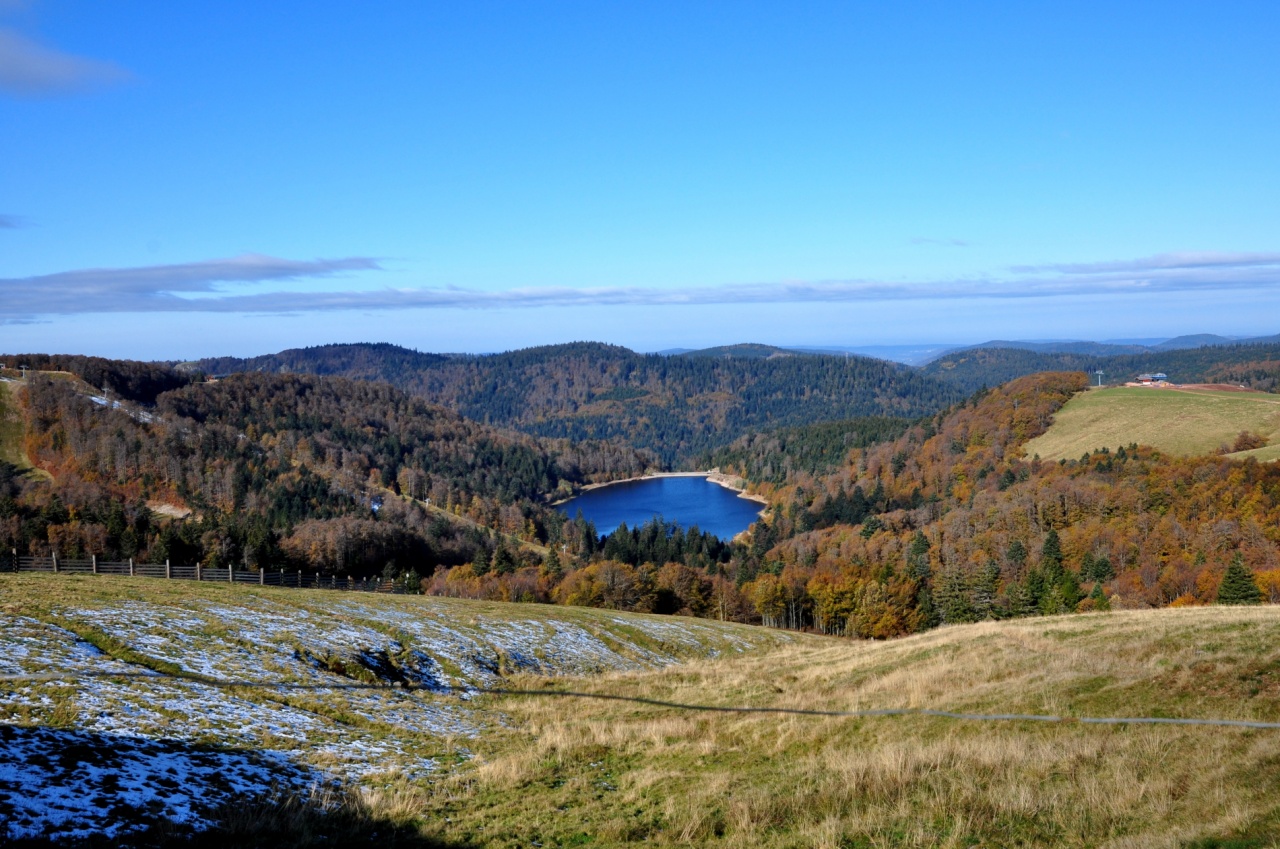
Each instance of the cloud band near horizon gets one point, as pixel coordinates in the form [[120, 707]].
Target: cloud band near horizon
[[31, 69], [195, 287]]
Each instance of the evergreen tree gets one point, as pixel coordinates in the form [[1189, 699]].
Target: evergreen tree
[[1051, 557], [1087, 565], [551, 566], [953, 597], [1020, 600], [1069, 586], [503, 562], [984, 591], [918, 556], [1053, 602], [1238, 585], [412, 582], [1017, 554], [1100, 600], [480, 563], [928, 611]]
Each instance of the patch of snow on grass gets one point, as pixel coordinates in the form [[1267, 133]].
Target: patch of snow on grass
[[71, 784]]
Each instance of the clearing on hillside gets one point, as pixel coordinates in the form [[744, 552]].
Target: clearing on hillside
[[1178, 421], [11, 450]]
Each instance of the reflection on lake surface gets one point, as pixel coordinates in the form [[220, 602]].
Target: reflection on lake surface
[[687, 501]]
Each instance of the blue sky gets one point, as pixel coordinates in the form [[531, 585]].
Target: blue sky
[[189, 179]]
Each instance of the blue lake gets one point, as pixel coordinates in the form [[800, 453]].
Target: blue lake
[[687, 501]]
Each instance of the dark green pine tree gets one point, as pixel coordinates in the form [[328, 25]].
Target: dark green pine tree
[[1069, 584], [1238, 585], [1051, 557], [1100, 600], [918, 556], [1017, 555], [503, 562]]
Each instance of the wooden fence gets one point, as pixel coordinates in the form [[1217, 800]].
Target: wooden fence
[[262, 577]]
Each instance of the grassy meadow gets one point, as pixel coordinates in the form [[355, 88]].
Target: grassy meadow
[[657, 753], [578, 771], [1178, 421]]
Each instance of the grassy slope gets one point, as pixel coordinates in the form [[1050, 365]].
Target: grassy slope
[[1177, 421], [11, 450], [281, 671], [563, 770], [603, 773]]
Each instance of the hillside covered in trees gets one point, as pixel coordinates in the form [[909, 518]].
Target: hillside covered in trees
[[877, 526], [677, 407], [284, 470], [948, 522]]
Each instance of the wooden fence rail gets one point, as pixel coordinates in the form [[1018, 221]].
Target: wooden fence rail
[[196, 572]]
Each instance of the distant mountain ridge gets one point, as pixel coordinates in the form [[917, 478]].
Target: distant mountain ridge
[[1253, 364], [1114, 347]]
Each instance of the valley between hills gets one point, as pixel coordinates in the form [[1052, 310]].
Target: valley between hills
[[923, 546]]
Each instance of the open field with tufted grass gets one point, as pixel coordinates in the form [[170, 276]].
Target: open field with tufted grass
[[148, 711], [1179, 421], [578, 771]]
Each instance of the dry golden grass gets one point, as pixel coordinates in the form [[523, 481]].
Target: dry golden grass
[[1179, 421], [583, 771]]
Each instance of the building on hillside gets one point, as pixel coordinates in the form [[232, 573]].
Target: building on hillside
[[1153, 379]]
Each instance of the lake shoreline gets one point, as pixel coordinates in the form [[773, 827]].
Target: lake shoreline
[[714, 476]]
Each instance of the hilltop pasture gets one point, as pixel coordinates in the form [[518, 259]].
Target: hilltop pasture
[[1183, 422]]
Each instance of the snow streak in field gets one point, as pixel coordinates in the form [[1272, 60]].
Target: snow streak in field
[[277, 693]]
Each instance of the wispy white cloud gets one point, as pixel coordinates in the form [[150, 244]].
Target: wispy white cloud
[[199, 287], [1159, 262], [192, 286], [31, 69]]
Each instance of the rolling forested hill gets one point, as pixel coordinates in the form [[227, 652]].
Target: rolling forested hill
[[281, 470], [973, 369], [678, 407]]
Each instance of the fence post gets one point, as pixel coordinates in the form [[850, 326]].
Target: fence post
[[262, 576], [132, 571], [94, 559], [231, 574], [197, 570], [168, 570], [55, 562], [350, 584], [299, 579]]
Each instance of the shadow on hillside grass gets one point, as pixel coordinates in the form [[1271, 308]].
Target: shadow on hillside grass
[[289, 824], [57, 783]]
